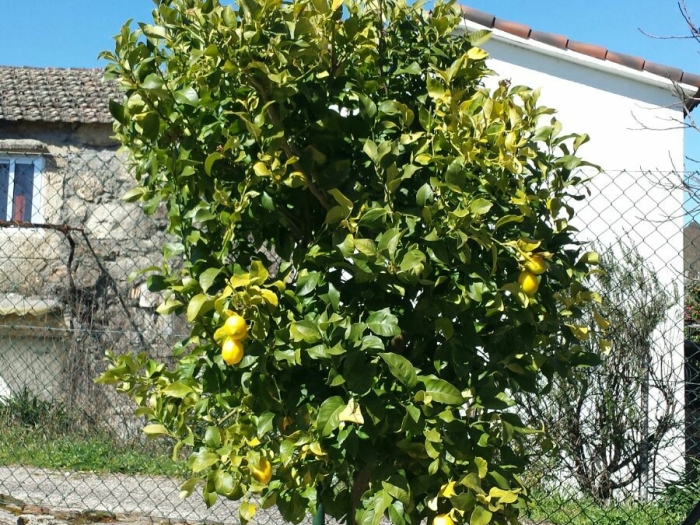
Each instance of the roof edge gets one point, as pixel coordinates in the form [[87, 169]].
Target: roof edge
[[685, 83]]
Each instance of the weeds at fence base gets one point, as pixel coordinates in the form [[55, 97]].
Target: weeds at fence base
[[53, 437], [557, 509]]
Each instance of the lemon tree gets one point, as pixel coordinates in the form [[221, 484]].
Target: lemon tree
[[372, 248]]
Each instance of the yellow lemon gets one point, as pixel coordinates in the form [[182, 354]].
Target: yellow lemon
[[529, 283], [232, 351], [235, 327], [536, 264], [262, 471], [443, 519]]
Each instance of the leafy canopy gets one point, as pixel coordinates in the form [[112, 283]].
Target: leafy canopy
[[337, 174]]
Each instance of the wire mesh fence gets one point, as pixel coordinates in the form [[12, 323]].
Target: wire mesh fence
[[625, 436]]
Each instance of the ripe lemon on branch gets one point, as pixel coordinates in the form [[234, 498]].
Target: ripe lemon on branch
[[236, 328], [232, 351], [529, 282], [262, 471], [536, 264]]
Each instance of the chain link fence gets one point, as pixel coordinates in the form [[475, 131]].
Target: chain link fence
[[626, 436]]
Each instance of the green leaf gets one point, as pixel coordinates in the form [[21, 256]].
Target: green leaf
[[117, 111], [367, 107], [168, 306], [482, 466], [366, 246], [589, 258], [307, 331], [223, 483], [480, 206], [373, 215], [207, 277], [412, 69], [267, 202], [341, 199], [202, 460], [384, 323], [200, 304], [246, 511], [152, 82], [187, 96], [307, 283], [442, 391], [258, 272], [188, 487], [436, 89], [413, 261], [178, 390], [333, 296], [155, 430], [425, 193], [504, 496], [398, 488], [480, 516], [211, 159], [479, 37], [336, 214], [401, 368], [152, 31], [476, 53], [373, 342], [212, 437], [352, 413], [507, 219], [209, 497], [445, 326], [370, 148], [150, 125], [134, 194], [327, 419], [389, 241]]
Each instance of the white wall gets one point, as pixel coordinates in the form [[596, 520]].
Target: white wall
[[633, 121]]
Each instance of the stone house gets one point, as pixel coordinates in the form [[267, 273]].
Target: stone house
[[67, 242]]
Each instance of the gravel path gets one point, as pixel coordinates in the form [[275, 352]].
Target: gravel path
[[153, 497]]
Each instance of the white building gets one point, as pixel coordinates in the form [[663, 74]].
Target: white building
[[632, 109]]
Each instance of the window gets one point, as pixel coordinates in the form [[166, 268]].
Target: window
[[20, 196]]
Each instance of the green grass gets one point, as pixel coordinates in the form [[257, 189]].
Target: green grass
[[37, 433], [561, 510], [99, 453]]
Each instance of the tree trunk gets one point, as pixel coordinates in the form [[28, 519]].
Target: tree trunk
[[360, 485]]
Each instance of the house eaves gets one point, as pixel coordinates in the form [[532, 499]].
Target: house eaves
[[685, 84]]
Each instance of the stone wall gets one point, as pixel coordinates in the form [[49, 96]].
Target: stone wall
[[81, 263]]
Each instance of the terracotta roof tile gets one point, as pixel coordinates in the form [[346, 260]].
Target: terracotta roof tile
[[669, 72], [594, 51], [591, 50], [514, 28], [626, 60], [690, 78], [55, 95], [551, 39], [485, 19]]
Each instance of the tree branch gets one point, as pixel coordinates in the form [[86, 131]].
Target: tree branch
[[288, 148]]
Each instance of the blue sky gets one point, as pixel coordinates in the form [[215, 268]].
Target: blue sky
[[71, 33]]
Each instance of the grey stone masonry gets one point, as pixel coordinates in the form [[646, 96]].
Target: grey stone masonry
[[79, 256]]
